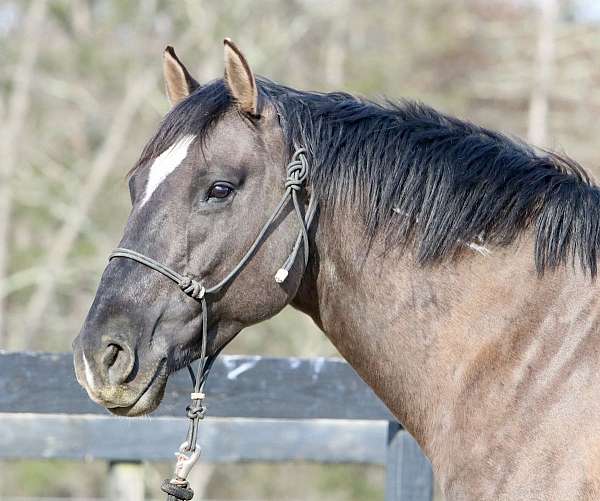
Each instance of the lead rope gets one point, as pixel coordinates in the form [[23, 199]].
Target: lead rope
[[177, 488]]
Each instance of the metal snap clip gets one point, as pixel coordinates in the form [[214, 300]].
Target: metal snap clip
[[186, 462]]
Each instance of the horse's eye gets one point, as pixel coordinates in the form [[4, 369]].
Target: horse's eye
[[220, 190]]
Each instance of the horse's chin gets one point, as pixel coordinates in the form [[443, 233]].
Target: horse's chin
[[147, 402]]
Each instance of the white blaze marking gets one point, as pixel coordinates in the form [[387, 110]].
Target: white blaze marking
[[166, 163]]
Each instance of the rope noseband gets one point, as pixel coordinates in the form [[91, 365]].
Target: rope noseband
[[178, 488]]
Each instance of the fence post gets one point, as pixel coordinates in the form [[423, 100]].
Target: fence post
[[408, 472], [126, 481]]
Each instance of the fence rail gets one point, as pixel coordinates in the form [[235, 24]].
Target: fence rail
[[269, 409]]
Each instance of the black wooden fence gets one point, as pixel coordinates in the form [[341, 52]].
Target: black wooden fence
[[263, 409]]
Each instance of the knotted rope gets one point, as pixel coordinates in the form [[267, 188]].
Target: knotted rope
[[192, 287]]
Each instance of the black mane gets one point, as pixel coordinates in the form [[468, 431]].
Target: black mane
[[420, 176]]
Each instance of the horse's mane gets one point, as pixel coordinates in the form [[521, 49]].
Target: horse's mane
[[421, 177]]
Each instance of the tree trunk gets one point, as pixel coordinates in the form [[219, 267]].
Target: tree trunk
[[540, 92]]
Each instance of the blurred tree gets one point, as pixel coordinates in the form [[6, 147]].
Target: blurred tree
[[17, 108]]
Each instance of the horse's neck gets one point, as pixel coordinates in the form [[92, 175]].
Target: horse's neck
[[436, 343]]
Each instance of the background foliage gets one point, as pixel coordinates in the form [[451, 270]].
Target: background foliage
[[81, 92]]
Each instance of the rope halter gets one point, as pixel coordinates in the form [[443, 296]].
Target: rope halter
[[297, 172]]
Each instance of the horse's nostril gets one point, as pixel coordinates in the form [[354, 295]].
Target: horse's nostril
[[117, 361], [110, 355]]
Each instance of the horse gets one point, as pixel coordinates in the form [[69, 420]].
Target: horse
[[452, 266]]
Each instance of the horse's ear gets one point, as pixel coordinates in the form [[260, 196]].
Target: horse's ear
[[240, 79], [178, 81]]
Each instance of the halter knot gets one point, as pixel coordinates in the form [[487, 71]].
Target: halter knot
[[195, 412], [297, 171], [192, 287]]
